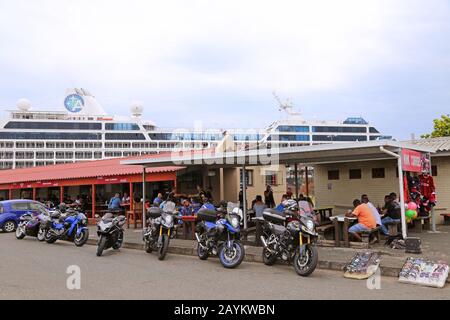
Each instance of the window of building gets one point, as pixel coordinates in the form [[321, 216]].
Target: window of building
[[333, 174], [49, 136], [338, 138], [121, 126], [340, 129], [354, 174], [54, 125], [293, 129], [294, 137], [271, 178], [434, 171], [124, 136], [378, 173], [248, 177]]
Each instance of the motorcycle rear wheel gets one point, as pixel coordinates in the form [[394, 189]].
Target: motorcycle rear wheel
[[236, 260], [164, 247], [101, 245], [269, 259], [202, 253], [304, 266], [148, 246]]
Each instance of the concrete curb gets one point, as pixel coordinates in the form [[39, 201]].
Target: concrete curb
[[388, 271]]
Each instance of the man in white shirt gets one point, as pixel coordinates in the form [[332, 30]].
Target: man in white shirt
[[376, 214]]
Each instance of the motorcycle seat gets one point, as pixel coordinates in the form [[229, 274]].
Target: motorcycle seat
[[55, 215], [273, 216]]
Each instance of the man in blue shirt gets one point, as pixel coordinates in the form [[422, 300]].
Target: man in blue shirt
[[114, 203], [207, 205], [158, 200]]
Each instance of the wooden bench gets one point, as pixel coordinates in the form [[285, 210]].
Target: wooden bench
[[421, 223], [370, 234], [446, 218], [135, 214], [393, 227], [325, 229]]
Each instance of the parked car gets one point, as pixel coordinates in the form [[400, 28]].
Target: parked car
[[12, 210]]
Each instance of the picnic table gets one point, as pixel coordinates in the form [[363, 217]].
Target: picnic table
[[341, 224], [324, 213], [189, 221]]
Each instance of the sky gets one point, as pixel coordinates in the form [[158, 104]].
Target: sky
[[219, 61]]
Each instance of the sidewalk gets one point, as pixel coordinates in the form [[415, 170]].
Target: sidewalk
[[434, 246]]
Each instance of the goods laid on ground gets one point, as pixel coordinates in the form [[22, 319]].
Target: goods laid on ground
[[424, 272], [362, 266]]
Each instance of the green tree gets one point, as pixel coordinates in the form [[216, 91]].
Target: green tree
[[441, 128]]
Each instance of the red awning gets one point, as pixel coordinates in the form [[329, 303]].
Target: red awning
[[79, 170]]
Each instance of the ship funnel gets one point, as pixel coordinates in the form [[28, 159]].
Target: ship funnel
[[81, 102]]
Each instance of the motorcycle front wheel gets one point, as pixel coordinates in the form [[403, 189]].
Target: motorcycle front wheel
[[231, 257], [101, 245], [82, 238], [20, 232], [41, 234], [164, 246], [306, 264]]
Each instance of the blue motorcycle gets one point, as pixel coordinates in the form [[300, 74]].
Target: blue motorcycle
[[71, 226], [218, 233]]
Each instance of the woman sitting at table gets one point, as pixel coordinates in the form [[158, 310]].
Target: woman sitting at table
[[366, 220]]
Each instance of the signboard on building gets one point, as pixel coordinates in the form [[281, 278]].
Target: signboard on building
[[412, 160]]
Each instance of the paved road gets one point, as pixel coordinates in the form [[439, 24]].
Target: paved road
[[29, 269]]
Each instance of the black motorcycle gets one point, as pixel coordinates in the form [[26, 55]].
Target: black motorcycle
[[110, 232], [161, 228], [289, 238], [218, 233]]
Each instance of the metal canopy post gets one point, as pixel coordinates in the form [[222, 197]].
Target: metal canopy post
[[307, 181], [143, 199], [400, 185], [296, 181], [433, 218], [244, 196]]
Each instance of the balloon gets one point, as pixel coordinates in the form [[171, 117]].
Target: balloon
[[410, 214], [416, 215], [412, 206]]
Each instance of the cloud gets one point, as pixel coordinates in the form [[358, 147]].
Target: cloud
[[220, 58]]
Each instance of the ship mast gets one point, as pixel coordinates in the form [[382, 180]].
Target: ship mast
[[286, 106]]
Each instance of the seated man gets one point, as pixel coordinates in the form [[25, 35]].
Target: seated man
[[114, 203], [207, 204], [158, 200], [376, 214], [259, 206], [281, 206], [392, 212], [366, 221]]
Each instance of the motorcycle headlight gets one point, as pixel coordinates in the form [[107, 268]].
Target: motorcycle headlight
[[235, 222], [310, 225], [168, 220]]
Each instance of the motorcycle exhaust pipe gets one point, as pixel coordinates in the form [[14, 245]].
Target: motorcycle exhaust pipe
[[199, 241], [263, 241]]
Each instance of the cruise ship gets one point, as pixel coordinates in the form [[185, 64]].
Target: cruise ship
[[83, 131]]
